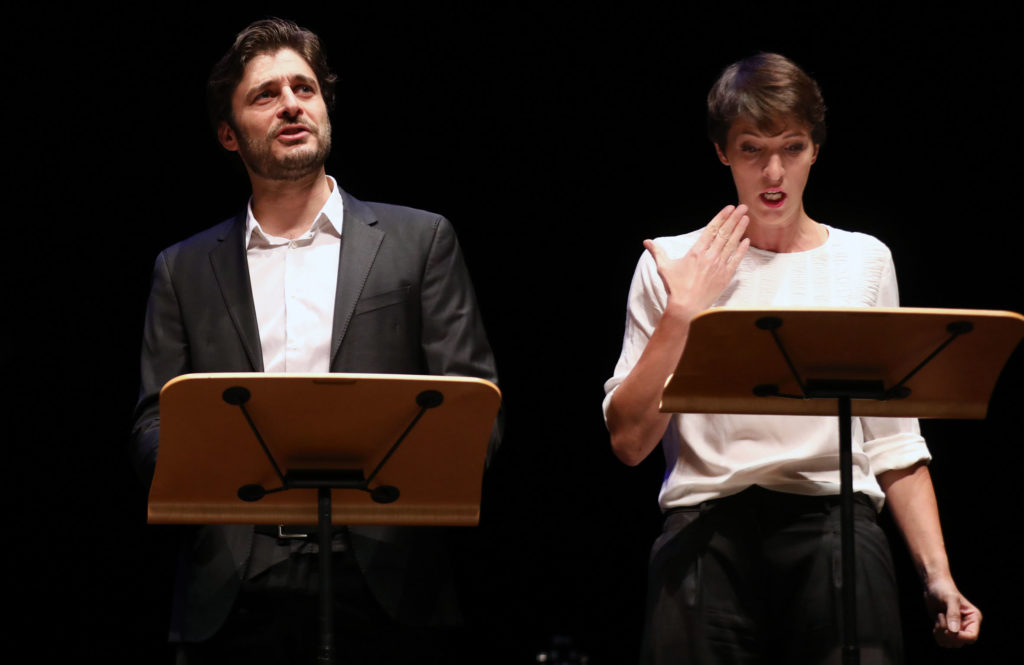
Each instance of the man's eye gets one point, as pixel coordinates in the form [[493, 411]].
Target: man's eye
[[748, 148], [795, 147]]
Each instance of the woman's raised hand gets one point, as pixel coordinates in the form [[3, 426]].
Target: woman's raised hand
[[694, 281]]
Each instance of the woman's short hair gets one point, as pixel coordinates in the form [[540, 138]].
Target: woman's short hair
[[264, 37], [766, 89]]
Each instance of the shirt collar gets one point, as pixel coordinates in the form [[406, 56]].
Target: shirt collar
[[332, 214]]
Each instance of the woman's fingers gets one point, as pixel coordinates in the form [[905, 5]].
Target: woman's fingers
[[732, 244], [698, 278], [711, 231], [724, 231]]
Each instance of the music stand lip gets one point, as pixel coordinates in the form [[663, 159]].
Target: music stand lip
[[329, 378], [934, 311]]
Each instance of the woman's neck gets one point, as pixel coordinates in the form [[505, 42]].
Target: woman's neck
[[800, 235]]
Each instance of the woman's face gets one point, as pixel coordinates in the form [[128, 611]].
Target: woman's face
[[770, 169]]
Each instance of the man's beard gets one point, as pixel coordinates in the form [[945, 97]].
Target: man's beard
[[298, 163]]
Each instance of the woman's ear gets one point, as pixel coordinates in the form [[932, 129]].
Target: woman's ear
[[722, 158]]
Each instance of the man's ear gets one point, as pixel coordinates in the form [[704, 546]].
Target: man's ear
[[226, 136], [721, 155], [814, 157]]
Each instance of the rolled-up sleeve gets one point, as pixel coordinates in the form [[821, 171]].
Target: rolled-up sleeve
[[892, 443], [644, 308]]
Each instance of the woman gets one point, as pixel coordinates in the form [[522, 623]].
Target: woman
[[744, 568]]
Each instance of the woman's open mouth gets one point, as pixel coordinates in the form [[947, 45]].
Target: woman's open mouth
[[773, 199]]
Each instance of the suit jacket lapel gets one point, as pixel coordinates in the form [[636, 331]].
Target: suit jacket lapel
[[232, 273], [360, 240]]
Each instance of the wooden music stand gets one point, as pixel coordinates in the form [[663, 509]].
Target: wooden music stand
[[322, 449], [879, 362]]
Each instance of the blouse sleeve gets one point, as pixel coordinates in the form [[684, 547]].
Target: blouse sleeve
[[892, 443], [644, 308]]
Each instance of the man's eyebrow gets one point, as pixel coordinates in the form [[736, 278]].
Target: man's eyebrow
[[302, 78], [292, 79]]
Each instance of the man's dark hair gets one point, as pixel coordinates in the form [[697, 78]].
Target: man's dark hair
[[264, 37], [765, 89]]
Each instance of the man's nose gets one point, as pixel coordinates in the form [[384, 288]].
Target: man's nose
[[289, 103]]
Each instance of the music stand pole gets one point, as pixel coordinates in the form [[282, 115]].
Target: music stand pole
[[325, 653]]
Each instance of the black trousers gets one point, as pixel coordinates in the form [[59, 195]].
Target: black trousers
[[275, 620], [754, 578]]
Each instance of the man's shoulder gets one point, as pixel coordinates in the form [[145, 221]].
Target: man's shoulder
[[407, 225], [395, 211], [392, 215], [204, 241]]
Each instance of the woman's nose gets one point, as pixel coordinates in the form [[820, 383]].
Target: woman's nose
[[774, 170]]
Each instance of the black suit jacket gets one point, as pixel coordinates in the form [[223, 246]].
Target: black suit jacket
[[404, 304]]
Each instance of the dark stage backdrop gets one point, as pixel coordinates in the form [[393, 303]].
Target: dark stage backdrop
[[556, 140]]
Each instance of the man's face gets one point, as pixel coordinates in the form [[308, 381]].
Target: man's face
[[281, 128]]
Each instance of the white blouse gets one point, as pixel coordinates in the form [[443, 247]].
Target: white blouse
[[710, 456]]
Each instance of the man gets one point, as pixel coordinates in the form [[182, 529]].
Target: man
[[306, 279]]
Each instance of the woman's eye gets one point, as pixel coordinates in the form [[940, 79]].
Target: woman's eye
[[795, 147], [748, 148]]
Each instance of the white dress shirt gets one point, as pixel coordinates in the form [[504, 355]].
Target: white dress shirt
[[293, 287]]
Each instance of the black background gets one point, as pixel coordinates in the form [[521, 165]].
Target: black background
[[556, 140]]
